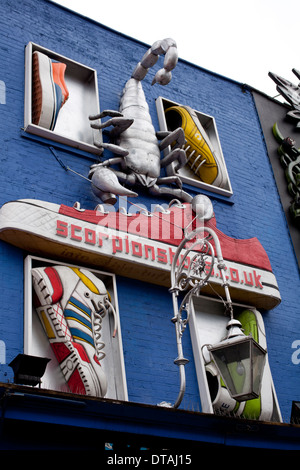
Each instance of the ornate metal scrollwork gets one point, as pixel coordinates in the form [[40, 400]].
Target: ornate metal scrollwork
[[191, 269], [195, 271]]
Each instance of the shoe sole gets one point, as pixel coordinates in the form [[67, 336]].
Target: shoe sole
[[44, 103]]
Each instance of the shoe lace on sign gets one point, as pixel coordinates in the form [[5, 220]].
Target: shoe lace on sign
[[191, 155], [98, 314]]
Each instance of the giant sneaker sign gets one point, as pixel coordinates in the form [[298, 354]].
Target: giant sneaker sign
[[139, 246]]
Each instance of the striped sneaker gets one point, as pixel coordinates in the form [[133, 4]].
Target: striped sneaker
[[71, 304], [49, 90]]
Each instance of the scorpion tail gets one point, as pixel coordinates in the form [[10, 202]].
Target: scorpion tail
[[168, 48]]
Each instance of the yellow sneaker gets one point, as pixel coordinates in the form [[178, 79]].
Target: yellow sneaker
[[201, 156]]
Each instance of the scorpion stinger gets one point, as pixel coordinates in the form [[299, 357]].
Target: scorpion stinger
[[134, 140], [167, 47]]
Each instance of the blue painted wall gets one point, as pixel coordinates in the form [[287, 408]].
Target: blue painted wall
[[29, 170]]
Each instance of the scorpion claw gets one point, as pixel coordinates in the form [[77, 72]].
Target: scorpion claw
[[104, 181]]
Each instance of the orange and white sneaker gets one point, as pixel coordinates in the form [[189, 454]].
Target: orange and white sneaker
[[201, 156], [49, 90]]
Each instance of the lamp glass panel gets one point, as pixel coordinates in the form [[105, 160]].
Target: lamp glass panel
[[258, 362], [234, 364], [241, 366]]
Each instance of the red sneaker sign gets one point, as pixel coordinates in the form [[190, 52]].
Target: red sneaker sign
[[139, 246]]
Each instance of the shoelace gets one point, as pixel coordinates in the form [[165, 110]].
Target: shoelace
[[97, 317], [198, 157]]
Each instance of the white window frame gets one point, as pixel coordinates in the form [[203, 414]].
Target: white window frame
[[209, 124], [73, 126], [36, 342]]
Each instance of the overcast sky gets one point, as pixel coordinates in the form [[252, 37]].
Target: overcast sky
[[239, 40]]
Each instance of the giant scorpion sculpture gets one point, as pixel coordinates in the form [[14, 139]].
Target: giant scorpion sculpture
[[134, 140]]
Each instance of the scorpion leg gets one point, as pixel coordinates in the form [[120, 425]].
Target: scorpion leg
[[120, 124], [110, 161], [113, 148], [169, 180], [178, 156], [106, 112], [176, 139], [178, 193]]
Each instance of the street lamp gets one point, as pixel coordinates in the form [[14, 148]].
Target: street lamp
[[239, 358], [240, 361]]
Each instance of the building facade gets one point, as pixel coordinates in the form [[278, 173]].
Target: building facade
[[94, 209]]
